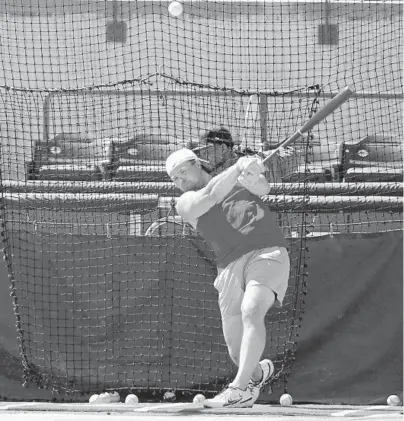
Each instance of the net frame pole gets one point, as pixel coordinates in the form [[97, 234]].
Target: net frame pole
[[263, 107]]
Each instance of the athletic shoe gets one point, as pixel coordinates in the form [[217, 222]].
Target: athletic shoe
[[268, 369], [231, 397]]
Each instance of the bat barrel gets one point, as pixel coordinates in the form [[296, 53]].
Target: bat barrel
[[329, 108]]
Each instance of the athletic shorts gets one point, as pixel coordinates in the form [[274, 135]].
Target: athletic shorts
[[268, 266]]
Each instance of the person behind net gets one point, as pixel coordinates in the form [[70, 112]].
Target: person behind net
[[252, 260], [216, 146]]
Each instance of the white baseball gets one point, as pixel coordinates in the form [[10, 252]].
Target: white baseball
[[175, 8], [104, 398], [114, 397], [199, 398], [286, 399], [393, 400], [93, 398], [131, 399]]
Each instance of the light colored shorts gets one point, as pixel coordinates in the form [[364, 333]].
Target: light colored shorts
[[268, 266]]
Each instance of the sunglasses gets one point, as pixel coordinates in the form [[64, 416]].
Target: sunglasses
[[218, 141]]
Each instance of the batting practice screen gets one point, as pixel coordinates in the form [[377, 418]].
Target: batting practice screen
[[111, 289]]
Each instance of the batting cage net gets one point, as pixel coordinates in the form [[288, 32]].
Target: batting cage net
[[111, 289]]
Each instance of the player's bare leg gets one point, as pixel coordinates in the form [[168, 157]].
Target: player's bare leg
[[235, 396], [233, 335], [246, 330], [231, 396], [258, 299]]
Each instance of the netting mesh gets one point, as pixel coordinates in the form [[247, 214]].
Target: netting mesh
[[111, 289]]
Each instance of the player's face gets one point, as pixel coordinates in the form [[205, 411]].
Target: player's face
[[215, 153], [188, 176]]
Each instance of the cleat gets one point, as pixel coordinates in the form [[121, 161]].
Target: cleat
[[268, 369], [231, 397]]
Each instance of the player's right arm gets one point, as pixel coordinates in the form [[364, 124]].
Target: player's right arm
[[193, 204]]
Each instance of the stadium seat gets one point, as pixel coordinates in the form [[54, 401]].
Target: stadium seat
[[323, 164], [317, 172], [373, 158], [71, 156], [142, 171], [142, 158], [153, 147], [375, 173], [69, 172]]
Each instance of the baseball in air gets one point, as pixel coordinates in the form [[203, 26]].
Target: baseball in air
[[393, 400], [286, 399], [175, 9], [199, 398], [131, 399]]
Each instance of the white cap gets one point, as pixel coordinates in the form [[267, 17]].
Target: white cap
[[179, 157]]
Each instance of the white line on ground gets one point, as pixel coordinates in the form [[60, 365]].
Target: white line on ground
[[350, 412], [170, 407]]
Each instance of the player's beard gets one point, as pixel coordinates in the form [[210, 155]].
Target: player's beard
[[193, 186]]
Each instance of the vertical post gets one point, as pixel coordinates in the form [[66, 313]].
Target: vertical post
[[263, 107], [46, 110], [331, 229], [114, 11], [327, 13], [348, 223]]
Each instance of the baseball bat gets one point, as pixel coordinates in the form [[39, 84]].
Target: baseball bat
[[250, 117], [329, 108]]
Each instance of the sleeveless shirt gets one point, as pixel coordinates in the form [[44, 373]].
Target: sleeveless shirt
[[240, 223]]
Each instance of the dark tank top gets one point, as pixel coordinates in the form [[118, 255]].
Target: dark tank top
[[241, 223]]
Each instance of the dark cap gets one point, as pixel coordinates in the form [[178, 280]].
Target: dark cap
[[219, 135]]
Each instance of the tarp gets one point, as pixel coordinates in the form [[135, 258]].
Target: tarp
[[350, 345], [93, 307], [350, 348]]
